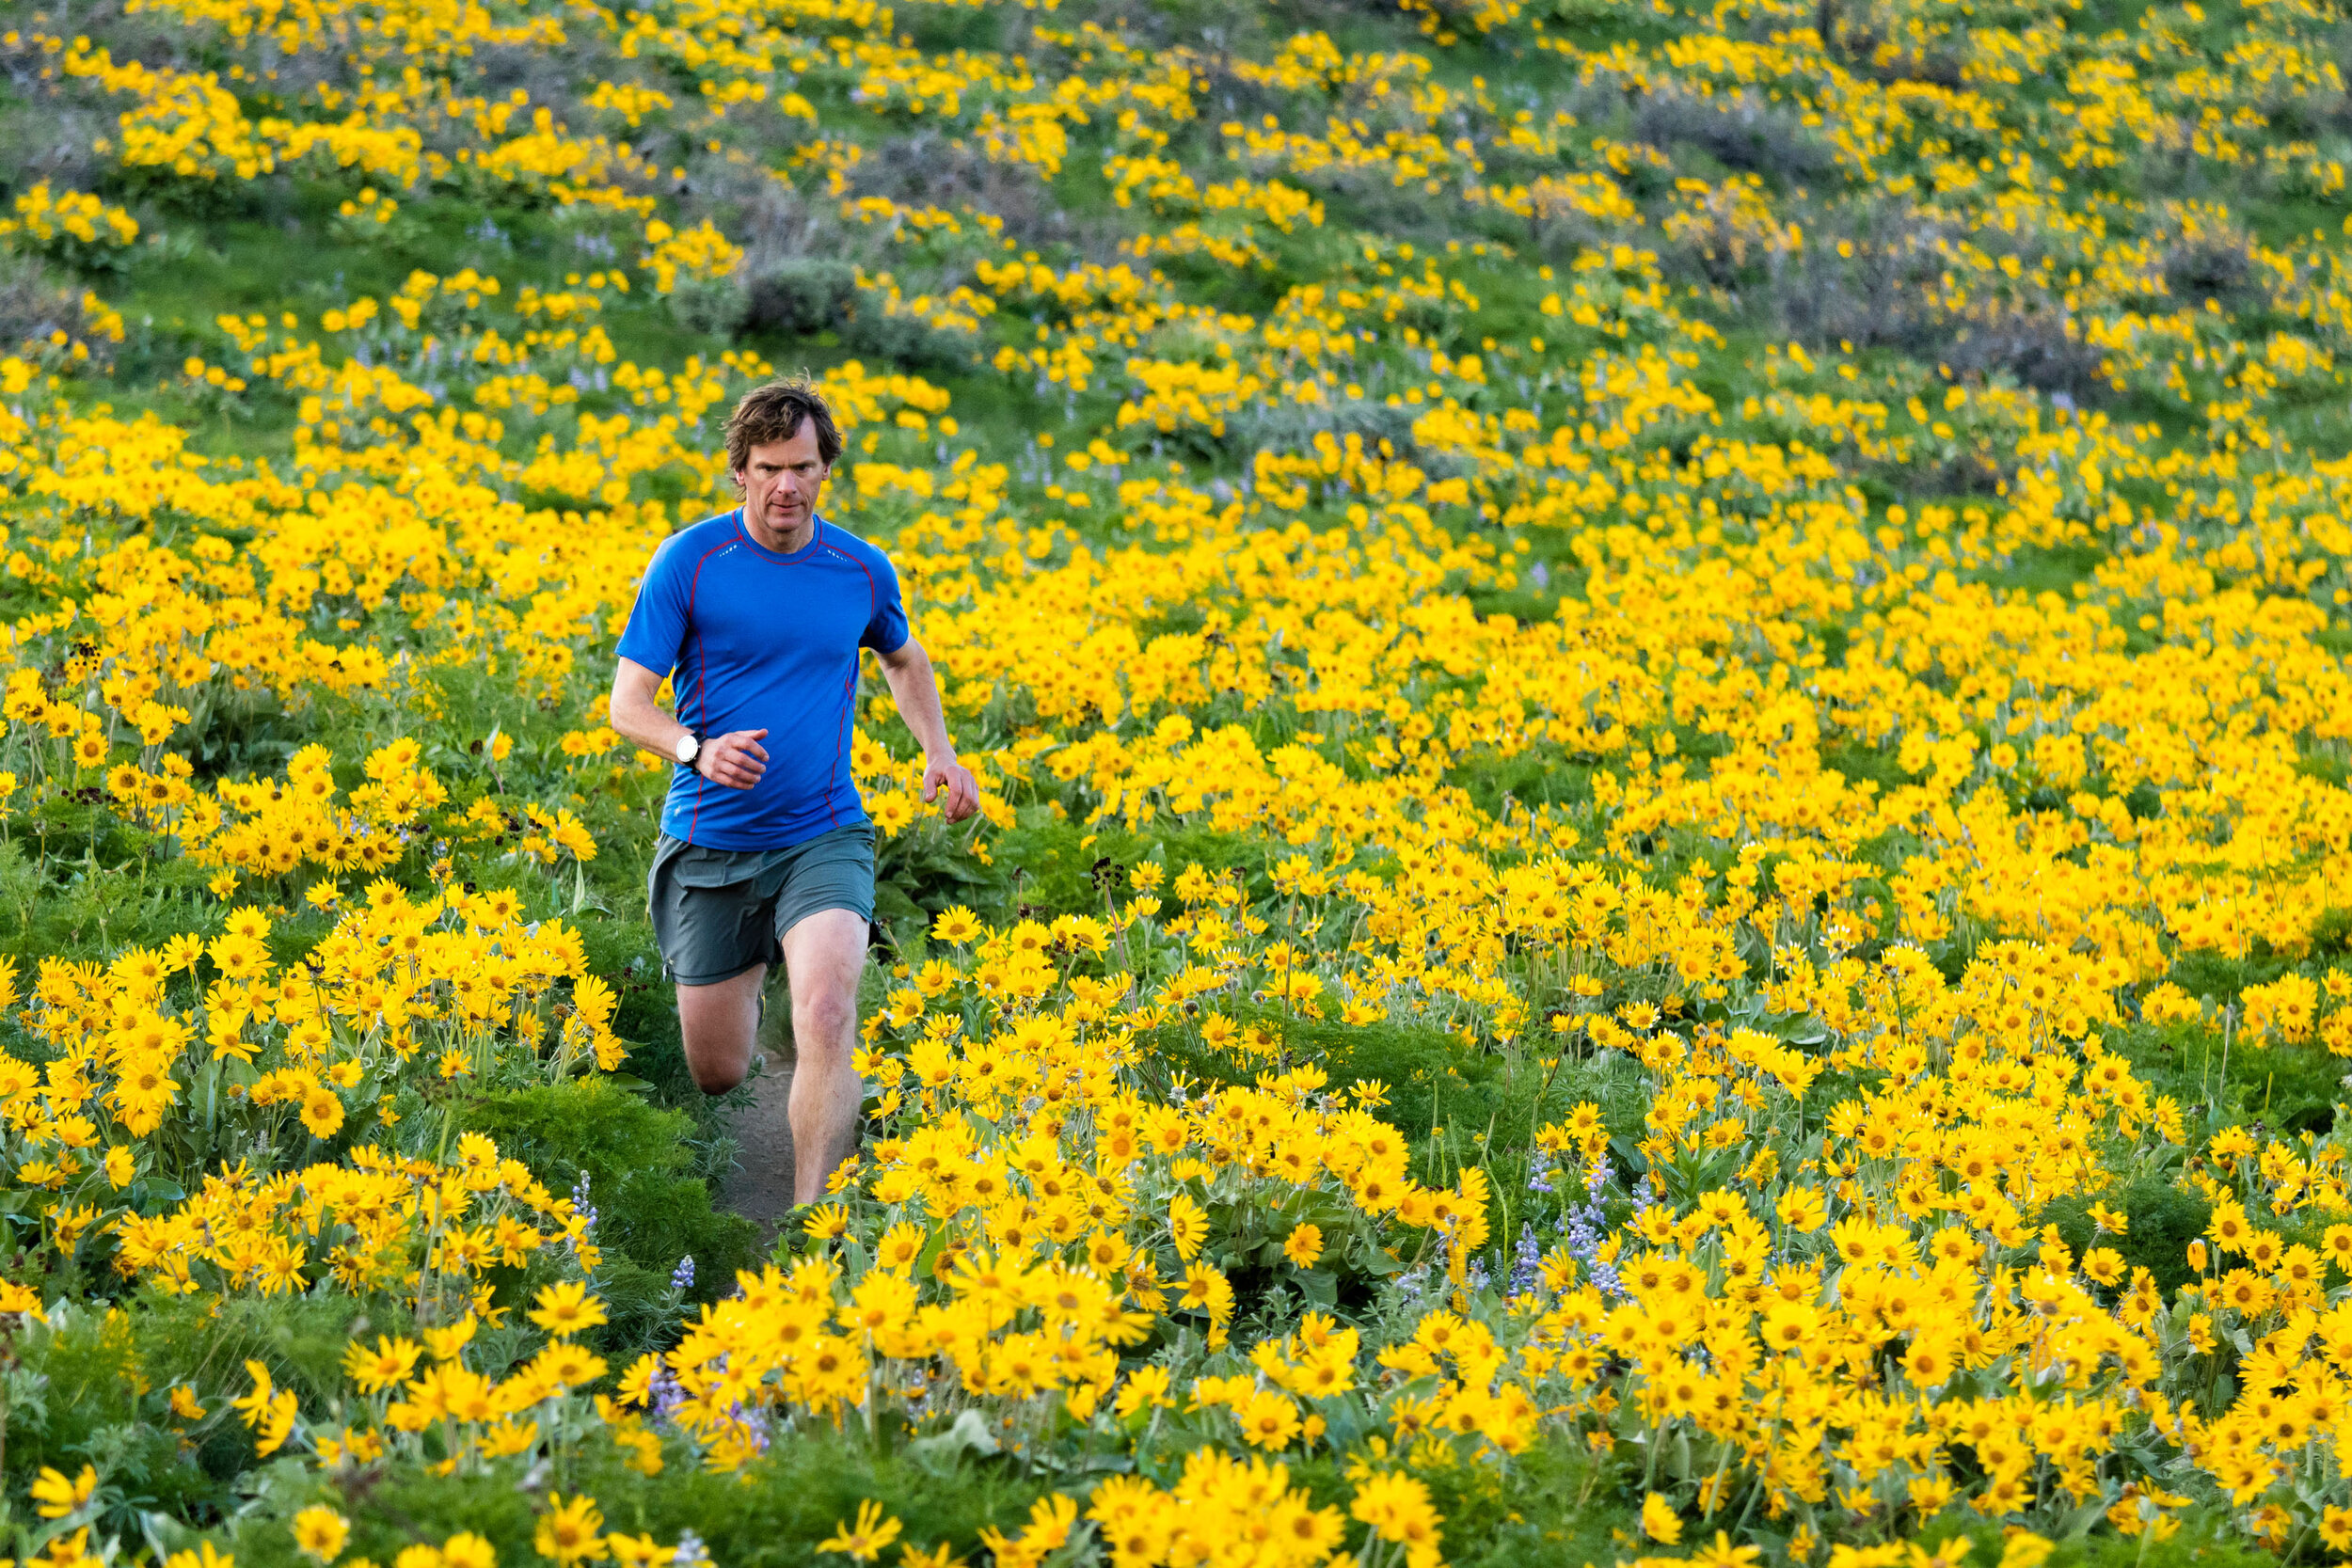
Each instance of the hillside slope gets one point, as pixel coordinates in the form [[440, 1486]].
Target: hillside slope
[[1661, 704]]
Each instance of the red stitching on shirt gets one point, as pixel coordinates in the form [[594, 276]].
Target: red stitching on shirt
[[873, 594], [849, 688], [702, 670]]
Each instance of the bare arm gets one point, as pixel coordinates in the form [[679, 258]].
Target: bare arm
[[636, 715], [736, 759], [916, 690]]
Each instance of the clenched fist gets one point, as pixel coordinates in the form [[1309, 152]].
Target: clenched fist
[[736, 759]]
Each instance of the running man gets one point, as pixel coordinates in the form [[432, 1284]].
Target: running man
[[766, 851]]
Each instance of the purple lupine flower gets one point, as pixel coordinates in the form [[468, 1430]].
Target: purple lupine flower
[[1588, 1226], [754, 1424], [1527, 1264], [666, 1393], [586, 1211]]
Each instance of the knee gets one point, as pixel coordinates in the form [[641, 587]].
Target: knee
[[827, 1016], [714, 1078]]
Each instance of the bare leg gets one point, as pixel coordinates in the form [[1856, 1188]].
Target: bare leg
[[720, 1023], [823, 956]]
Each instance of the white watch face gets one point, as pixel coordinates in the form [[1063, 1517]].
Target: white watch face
[[687, 748]]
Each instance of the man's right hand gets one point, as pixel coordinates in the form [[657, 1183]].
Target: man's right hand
[[736, 759]]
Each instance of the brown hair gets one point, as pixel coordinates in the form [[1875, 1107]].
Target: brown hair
[[773, 413]]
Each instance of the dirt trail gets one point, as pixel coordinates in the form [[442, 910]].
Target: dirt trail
[[761, 1188]]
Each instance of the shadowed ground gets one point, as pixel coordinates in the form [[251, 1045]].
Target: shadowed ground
[[761, 1188]]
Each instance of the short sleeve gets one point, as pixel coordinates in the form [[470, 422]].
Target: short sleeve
[[886, 629], [655, 632]]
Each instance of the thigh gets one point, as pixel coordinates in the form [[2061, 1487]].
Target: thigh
[[824, 955]]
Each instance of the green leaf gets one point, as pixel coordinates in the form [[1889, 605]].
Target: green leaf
[[1317, 1286], [969, 1435]]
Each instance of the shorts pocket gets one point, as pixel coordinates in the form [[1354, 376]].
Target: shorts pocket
[[700, 868]]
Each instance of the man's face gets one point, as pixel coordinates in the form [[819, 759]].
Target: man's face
[[782, 480]]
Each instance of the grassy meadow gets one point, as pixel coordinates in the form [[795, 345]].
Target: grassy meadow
[[1665, 871]]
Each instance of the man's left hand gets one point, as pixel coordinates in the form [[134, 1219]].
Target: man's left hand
[[952, 785]]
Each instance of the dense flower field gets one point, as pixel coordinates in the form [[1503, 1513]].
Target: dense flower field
[[1666, 864]]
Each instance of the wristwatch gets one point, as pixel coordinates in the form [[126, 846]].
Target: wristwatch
[[690, 746]]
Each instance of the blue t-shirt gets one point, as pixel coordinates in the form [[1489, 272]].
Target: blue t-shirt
[[754, 641]]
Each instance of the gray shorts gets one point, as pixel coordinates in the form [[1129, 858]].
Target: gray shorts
[[717, 913]]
